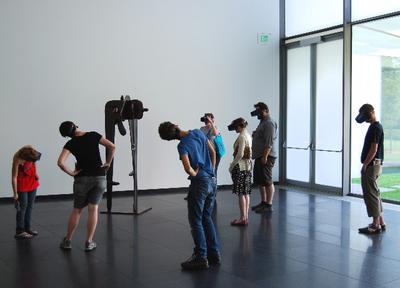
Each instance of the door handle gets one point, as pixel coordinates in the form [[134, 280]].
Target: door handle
[[296, 148]]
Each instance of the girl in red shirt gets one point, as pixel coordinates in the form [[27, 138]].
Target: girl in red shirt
[[24, 183]]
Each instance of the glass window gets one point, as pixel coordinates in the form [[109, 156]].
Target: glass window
[[376, 80], [298, 107], [310, 15], [328, 118], [362, 9]]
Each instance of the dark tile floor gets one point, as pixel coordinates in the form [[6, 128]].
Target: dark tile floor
[[308, 241]]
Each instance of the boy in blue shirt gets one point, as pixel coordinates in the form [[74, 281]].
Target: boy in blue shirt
[[198, 160]]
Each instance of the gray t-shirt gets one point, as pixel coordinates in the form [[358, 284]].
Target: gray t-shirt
[[209, 134], [265, 136]]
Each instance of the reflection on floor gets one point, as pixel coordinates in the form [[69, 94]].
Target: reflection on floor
[[308, 241]]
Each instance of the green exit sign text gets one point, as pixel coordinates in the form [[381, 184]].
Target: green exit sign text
[[263, 38]]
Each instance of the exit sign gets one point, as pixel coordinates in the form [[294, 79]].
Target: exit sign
[[263, 38]]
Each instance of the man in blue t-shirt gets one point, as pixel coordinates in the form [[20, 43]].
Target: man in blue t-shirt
[[198, 160], [372, 159]]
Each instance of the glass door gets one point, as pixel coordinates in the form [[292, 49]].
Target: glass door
[[314, 116], [328, 114], [298, 115]]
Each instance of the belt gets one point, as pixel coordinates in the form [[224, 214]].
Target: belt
[[376, 161]]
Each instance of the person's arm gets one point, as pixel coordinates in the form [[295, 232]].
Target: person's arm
[[213, 154], [111, 151], [370, 156], [61, 163], [240, 152], [214, 128], [187, 167], [14, 174], [264, 157], [268, 140]]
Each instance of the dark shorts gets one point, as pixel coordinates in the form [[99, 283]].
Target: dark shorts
[[262, 174], [88, 190]]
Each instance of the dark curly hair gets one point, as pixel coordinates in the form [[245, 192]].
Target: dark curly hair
[[168, 131], [262, 106]]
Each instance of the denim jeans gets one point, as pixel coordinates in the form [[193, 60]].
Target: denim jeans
[[26, 200], [201, 201]]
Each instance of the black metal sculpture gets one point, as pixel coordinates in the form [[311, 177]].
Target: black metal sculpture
[[117, 111]]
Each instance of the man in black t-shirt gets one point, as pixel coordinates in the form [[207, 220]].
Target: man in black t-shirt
[[89, 177], [372, 159]]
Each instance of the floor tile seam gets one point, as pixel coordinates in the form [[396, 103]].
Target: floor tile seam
[[325, 223], [340, 247], [126, 230], [151, 240], [345, 198], [289, 273], [219, 269], [5, 265], [335, 245], [176, 222], [240, 277], [314, 265], [390, 282], [331, 271], [373, 254]]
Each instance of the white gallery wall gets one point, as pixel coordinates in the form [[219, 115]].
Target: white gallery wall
[[63, 60]]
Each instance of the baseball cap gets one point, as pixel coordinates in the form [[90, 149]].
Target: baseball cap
[[364, 113]]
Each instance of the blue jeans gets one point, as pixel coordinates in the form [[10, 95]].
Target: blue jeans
[[26, 200], [201, 201]]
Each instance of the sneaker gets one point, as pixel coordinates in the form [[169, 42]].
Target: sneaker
[[370, 229], [89, 246], [383, 227], [65, 244], [32, 232], [214, 259], [264, 209], [22, 235], [195, 263], [257, 206]]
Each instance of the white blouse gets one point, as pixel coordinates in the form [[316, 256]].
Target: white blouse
[[244, 140]]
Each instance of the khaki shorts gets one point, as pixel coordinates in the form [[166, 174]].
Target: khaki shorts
[[372, 195]]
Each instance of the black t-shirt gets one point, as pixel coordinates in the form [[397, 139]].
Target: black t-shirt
[[374, 135], [85, 148]]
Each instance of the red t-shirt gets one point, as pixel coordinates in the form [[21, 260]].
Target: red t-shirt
[[26, 178]]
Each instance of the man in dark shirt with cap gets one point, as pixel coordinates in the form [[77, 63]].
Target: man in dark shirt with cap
[[372, 159]]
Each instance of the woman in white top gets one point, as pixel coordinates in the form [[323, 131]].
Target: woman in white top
[[240, 169]]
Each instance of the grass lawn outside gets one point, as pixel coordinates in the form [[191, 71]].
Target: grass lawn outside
[[390, 181]]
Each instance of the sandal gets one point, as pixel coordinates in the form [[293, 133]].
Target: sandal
[[370, 229], [237, 222], [23, 235]]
